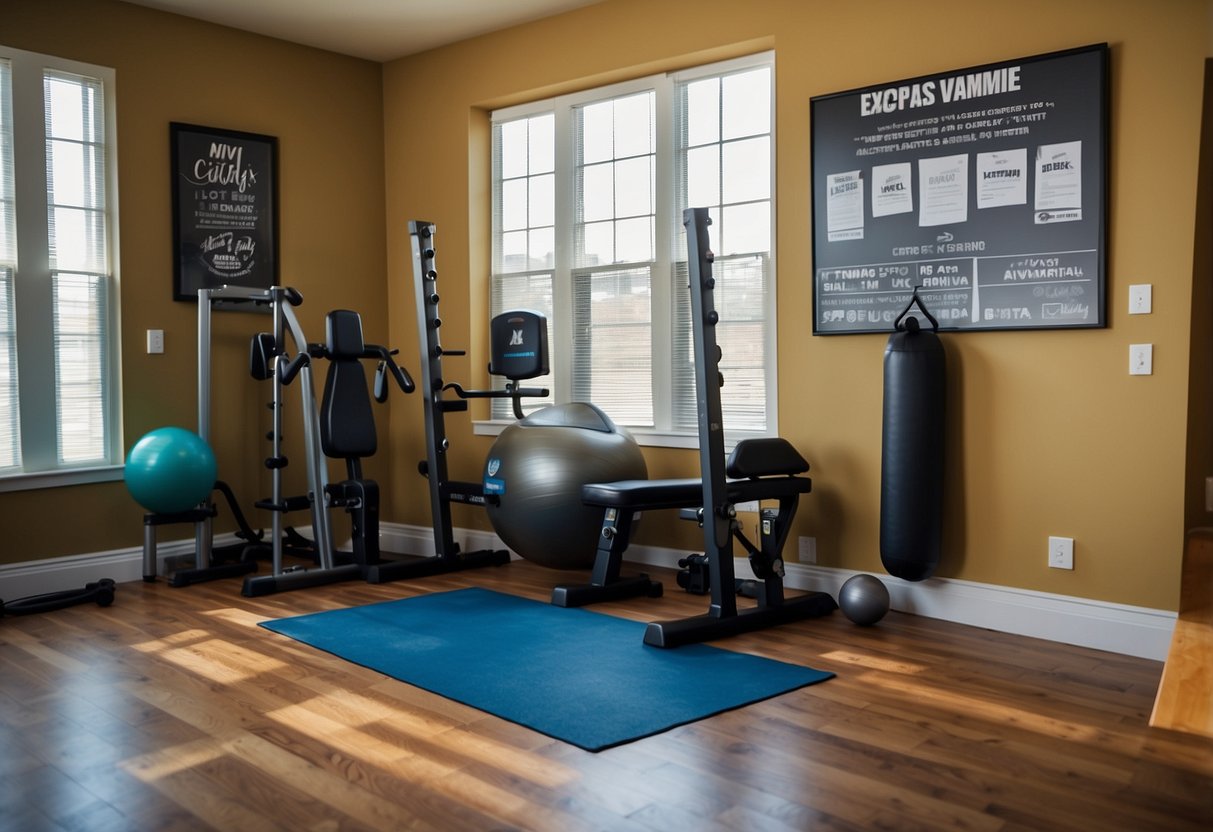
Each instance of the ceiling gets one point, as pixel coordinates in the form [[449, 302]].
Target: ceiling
[[378, 30]]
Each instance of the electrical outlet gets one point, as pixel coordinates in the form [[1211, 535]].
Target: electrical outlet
[[155, 341], [1141, 300], [1061, 552], [808, 550], [1141, 359]]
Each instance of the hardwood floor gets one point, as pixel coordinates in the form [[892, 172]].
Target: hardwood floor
[[172, 710]]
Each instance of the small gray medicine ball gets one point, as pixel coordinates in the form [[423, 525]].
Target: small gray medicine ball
[[863, 599]]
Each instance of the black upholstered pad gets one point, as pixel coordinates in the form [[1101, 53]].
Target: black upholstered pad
[[649, 495]]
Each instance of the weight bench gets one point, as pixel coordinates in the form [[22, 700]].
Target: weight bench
[[758, 470]]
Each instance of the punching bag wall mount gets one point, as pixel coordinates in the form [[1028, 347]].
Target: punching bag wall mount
[[912, 446]]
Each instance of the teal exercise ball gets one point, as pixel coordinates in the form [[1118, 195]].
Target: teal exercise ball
[[170, 470], [533, 478]]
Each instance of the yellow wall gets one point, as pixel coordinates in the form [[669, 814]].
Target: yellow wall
[[326, 111], [1051, 436]]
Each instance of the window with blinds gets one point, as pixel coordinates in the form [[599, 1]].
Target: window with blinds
[[10, 427], [588, 196], [723, 159], [76, 240], [58, 367], [524, 227]]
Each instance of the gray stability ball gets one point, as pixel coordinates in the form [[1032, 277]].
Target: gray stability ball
[[533, 478], [863, 599]]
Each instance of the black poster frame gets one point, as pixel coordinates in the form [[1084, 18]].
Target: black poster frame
[[1021, 246], [225, 209]]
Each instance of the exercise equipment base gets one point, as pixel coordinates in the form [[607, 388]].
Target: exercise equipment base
[[255, 586], [437, 565], [215, 572], [580, 595], [708, 627]]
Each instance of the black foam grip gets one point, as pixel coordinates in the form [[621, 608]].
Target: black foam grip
[[912, 454]]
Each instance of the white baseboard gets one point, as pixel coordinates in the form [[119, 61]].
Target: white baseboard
[[1102, 625], [35, 577]]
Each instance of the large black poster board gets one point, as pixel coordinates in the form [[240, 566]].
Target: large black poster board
[[985, 186], [225, 209]]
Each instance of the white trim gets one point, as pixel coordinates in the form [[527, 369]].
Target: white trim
[[419, 540], [60, 477], [1119, 628], [35, 577], [1102, 625]]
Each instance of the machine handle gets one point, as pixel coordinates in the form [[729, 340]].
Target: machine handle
[[386, 363], [289, 369]]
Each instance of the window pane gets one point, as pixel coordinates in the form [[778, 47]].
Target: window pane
[[8, 220], [76, 173], [597, 132], [634, 129], [703, 176], [524, 291], [77, 239], [597, 192], [747, 170], [746, 228], [612, 343], [10, 427], [74, 108], [634, 240], [513, 148], [513, 204], [542, 146], [634, 187], [703, 112], [541, 199], [80, 356], [542, 248], [746, 108], [598, 244], [740, 296], [513, 251]]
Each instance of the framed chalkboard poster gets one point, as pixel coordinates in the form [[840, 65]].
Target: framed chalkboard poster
[[986, 187], [225, 209]]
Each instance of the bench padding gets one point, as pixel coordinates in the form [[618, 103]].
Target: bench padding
[[650, 495]]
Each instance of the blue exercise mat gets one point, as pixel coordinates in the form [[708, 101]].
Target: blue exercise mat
[[579, 676]]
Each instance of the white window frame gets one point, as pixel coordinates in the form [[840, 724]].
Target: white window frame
[[667, 236], [40, 467]]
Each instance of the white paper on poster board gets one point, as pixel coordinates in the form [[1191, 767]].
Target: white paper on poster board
[[944, 185], [892, 190], [1058, 182], [844, 206], [1002, 178]]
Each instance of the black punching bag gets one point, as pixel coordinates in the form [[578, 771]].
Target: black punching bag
[[912, 449]]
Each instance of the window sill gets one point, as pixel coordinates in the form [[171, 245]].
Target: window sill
[[60, 478]]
